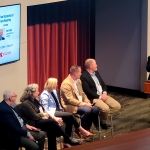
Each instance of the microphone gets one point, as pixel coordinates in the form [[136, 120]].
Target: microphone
[[93, 104], [36, 142]]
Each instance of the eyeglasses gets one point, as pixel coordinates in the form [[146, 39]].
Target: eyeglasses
[[14, 96]]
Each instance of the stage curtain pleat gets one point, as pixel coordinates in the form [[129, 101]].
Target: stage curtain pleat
[[57, 38]]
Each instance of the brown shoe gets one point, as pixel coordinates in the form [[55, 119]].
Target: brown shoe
[[90, 134], [83, 136], [90, 131]]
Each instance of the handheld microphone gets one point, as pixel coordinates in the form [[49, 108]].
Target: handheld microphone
[[36, 142], [93, 104]]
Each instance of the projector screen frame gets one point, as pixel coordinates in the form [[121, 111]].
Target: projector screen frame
[[18, 34]]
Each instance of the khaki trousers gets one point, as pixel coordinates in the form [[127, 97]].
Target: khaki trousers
[[109, 107]]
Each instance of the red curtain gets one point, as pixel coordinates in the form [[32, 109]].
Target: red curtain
[[58, 37]]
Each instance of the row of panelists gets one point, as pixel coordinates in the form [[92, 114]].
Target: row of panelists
[[84, 94]]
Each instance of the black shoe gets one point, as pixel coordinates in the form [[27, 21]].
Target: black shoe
[[105, 126], [96, 126], [72, 142]]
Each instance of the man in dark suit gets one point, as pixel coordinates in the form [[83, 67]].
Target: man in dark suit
[[13, 131], [96, 91]]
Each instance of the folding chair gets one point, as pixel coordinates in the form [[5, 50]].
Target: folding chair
[[100, 129]]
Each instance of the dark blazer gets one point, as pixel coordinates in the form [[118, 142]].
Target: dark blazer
[[9, 125], [30, 111], [89, 86]]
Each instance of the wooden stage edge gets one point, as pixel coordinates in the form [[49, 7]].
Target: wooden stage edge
[[138, 140]]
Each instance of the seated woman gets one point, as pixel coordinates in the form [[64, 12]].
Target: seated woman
[[50, 101], [33, 113]]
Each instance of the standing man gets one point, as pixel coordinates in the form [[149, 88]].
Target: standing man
[[14, 132], [96, 90], [74, 100]]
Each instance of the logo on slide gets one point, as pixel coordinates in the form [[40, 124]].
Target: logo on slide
[[5, 53], [1, 54]]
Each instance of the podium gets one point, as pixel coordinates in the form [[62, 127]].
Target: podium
[[147, 87]]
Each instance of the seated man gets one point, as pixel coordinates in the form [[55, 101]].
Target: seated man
[[96, 90], [74, 100], [14, 132]]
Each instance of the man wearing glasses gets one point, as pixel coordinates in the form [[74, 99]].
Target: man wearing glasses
[[14, 132]]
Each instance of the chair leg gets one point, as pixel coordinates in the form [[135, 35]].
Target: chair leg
[[93, 135], [60, 142], [111, 121], [99, 127], [46, 143]]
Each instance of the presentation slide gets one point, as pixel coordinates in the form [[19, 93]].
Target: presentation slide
[[9, 33]]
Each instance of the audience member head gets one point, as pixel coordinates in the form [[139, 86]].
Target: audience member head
[[75, 72], [90, 65], [30, 92], [50, 84], [9, 96]]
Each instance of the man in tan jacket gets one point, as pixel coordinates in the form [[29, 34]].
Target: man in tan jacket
[[74, 100]]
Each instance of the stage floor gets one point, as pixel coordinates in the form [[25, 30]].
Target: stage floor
[[139, 140]]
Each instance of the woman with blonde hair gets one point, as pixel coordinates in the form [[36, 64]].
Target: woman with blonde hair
[[33, 113], [50, 101]]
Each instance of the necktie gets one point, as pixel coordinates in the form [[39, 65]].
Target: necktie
[[56, 101]]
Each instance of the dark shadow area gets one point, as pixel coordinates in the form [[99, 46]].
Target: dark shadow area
[[60, 11], [124, 91]]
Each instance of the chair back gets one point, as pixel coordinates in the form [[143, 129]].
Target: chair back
[[58, 94], [17, 109]]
